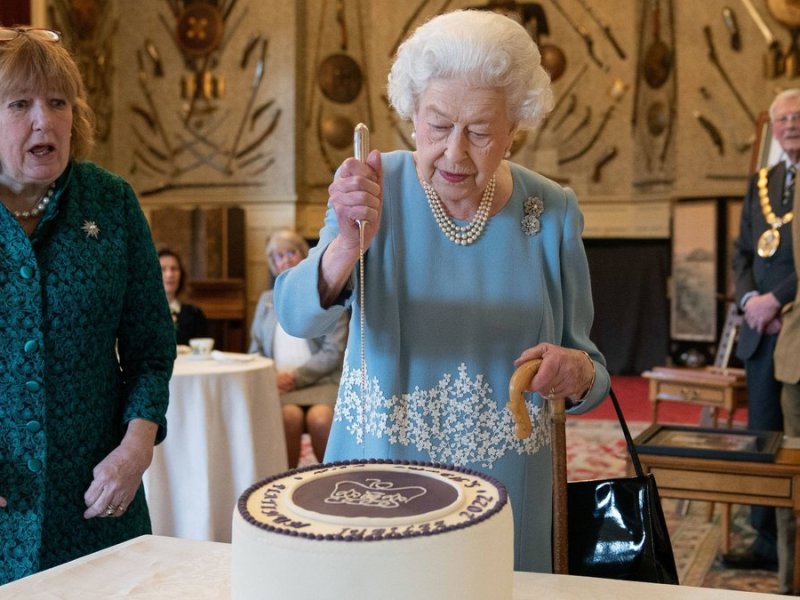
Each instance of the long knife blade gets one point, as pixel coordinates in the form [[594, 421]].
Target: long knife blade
[[729, 17], [605, 158], [573, 101], [604, 27], [712, 130], [587, 39], [588, 146], [762, 26], [583, 123], [712, 56]]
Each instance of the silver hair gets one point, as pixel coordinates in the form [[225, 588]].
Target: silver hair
[[784, 95], [284, 239], [481, 48]]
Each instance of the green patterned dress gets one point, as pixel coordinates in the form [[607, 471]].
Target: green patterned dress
[[86, 345]]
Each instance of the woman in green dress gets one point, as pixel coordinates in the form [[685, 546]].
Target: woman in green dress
[[86, 339]]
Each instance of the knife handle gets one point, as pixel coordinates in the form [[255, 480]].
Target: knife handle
[[361, 142]]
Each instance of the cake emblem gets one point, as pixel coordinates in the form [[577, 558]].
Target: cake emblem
[[375, 493]]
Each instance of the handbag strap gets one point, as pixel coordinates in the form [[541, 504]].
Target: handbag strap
[[637, 465]]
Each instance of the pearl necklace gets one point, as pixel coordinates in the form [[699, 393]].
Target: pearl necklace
[[35, 211], [463, 235]]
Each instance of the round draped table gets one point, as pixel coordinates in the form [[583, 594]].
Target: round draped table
[[224, 433]]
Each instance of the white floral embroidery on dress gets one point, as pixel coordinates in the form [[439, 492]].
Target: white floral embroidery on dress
[[456, 422]]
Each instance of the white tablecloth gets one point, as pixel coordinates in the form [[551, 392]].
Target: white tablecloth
[[224, 433], [159, 568]]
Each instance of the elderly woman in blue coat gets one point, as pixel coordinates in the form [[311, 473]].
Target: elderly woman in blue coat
[[87, 340], [472, 265]]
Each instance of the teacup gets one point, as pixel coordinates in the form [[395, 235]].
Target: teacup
[[201, 347]]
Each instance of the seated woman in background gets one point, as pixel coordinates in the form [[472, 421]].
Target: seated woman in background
[[308, 369], [189, 320]]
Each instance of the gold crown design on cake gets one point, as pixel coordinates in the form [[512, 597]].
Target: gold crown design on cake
[[376, 492]]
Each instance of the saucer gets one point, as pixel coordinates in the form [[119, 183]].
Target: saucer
[[231, 357]]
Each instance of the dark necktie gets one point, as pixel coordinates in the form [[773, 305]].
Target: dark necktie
[[788, 190]]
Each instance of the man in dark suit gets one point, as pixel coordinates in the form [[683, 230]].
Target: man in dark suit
[[765, 281]]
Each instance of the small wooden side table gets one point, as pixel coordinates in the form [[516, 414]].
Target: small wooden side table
[[712, 386], [731, 482]]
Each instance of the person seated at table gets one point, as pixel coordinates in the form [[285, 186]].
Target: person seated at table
[[190, 321], [308, 369]]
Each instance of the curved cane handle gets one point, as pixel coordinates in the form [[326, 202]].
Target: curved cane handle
[[520, 380]]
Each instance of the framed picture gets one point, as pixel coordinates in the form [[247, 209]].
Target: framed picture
[[694, 271], [733, 220], [699, 442]]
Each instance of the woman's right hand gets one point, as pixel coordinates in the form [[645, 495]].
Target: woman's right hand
[[356, 194]]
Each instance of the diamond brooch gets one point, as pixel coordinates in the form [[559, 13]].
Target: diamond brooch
[[533, 207], [91, 229]]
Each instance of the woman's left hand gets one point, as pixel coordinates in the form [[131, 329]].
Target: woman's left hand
[[564, 372], [118, 476]]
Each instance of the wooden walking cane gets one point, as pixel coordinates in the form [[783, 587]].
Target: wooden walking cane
[[520, 380]]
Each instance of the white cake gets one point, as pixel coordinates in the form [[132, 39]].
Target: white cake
[[373, 530]]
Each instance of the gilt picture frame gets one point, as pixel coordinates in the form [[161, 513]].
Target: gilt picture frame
[[694, 271], [712, 443]]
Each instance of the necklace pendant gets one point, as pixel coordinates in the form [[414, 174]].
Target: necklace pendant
[[768, 242]]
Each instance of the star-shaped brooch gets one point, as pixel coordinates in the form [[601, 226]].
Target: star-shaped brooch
[[533, 207], [91, 229]]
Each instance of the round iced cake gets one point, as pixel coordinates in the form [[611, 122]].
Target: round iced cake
[[373, 529]]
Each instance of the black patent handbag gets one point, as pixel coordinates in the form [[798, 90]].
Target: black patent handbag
[[616, 527]]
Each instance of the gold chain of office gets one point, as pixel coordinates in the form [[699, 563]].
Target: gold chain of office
[[769, 241]]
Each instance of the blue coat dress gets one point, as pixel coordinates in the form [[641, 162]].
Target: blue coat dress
[[443, 326], [86, 345]]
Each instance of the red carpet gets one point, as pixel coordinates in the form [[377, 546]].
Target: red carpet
[[632, 393]]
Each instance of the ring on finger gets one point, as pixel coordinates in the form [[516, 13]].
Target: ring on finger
[[110, 510]]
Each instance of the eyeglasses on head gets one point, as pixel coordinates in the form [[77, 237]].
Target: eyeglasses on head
[[46, 35]]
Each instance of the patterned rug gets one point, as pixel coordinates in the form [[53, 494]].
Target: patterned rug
[[596, 449]]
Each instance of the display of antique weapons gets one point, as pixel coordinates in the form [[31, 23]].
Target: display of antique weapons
[[604, 27], [712, 130], [587, 39], [592, 141], [773, 62], [712, 56], [605, 158], [729, 18]]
